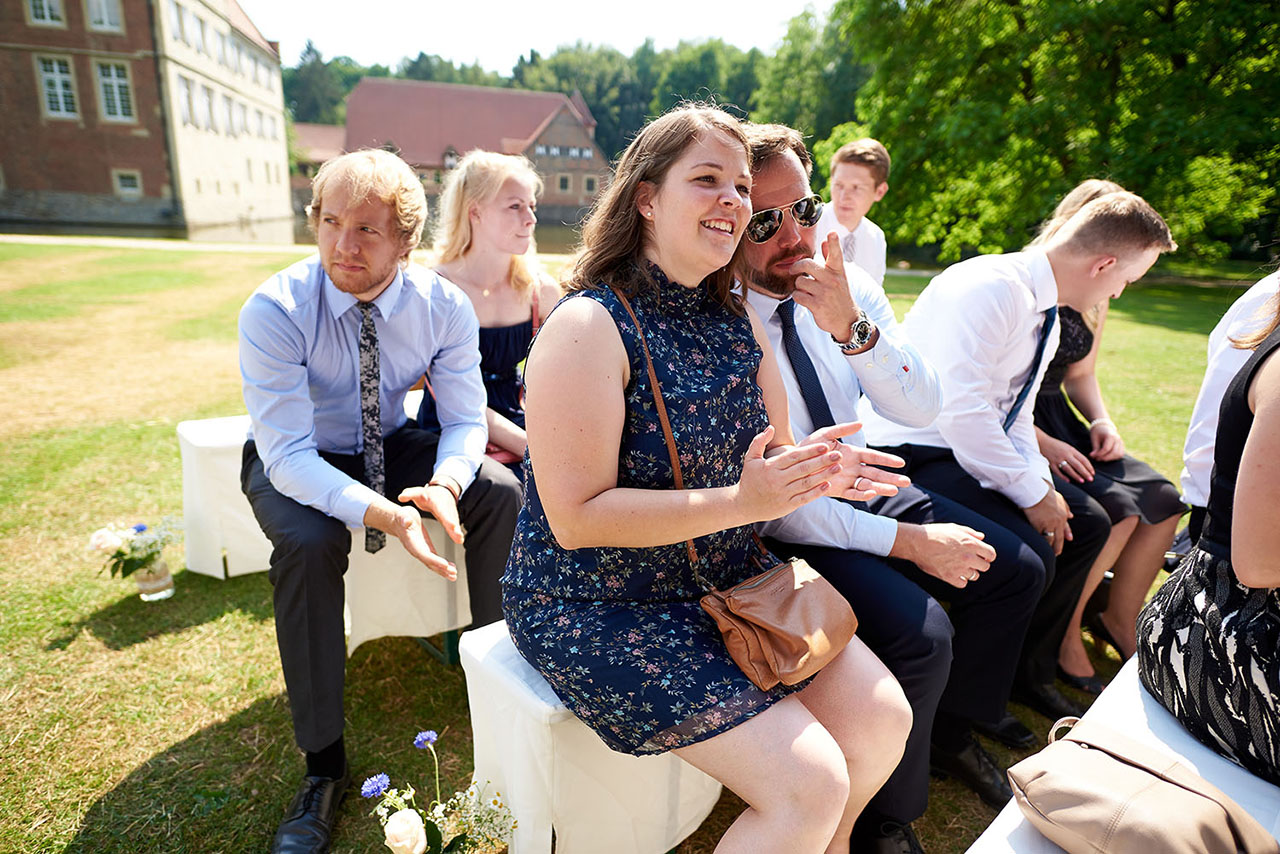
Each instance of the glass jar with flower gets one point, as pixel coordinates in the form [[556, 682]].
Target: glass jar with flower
[[137, 551], [469, 821]]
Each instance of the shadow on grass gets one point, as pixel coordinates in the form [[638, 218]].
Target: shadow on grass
[[1180, 307], [198, 600]]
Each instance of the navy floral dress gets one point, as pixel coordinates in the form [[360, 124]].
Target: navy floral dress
[[618, 632]]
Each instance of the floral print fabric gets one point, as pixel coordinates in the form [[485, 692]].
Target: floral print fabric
[[618, 632]]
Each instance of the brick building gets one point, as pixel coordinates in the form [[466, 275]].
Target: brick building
[[141, 116], [433, 124]]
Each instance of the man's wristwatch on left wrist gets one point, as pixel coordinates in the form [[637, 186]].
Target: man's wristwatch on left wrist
[[860, 332]]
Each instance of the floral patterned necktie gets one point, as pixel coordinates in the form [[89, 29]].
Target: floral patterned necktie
[[371, 417]]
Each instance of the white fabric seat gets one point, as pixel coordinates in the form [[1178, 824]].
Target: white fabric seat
[[1127, 707], [388, 593], [554, 772]]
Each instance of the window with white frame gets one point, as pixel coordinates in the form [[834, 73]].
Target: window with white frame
[[175, 19], [259, 125], [271, 127], [573, 152], [208, 102], [565, 183], [229, 115], [555, 151], [58, 86], [127, 183], [239, 52], [113, 85], [202, 36], [203, 112], [46, 13], [450, 159], [186, 106], [242, 119], [105, 15], [586, 153], [589, 185], [539, 149], [222, 48]]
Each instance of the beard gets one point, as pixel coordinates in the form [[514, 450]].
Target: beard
[[774, 283], [363, 281]]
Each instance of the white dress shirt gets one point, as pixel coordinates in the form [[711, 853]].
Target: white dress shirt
[[869, 248], [300, 362], [1247, 314], [891, 376], [978, 322]]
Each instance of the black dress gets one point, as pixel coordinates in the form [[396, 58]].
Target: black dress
[[1124, 487], [1209, 647]]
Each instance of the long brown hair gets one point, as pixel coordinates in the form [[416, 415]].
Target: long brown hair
[[614, 233], [1253, 339]]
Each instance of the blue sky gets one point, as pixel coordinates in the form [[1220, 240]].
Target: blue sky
[[495, 32]]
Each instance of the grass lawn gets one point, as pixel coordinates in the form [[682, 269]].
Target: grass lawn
[[127, 726]]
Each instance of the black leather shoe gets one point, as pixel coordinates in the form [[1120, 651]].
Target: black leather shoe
[[1009, 731], [892, 839], [974, 767], [1047, 700], [309, 822], [1088, 684]]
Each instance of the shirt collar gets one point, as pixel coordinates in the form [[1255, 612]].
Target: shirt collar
[[1043, 284], [766, 306], [341, 302]]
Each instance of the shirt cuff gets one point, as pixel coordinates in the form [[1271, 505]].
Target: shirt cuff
[[1028, 490], [352, 503], [876, 534], [460, 469]]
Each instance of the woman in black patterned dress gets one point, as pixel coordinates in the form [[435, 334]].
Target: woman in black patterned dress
[[1209, 640], [600, 595]]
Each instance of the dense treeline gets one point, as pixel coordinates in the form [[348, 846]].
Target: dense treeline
[[991, 109]]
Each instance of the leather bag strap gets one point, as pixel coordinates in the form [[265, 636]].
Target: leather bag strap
[[666, 424]]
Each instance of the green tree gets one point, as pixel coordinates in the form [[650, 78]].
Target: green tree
[[707, 69], [992, 109], [431, 67], [313, 90]]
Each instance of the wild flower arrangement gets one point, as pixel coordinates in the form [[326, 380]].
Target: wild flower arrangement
[[131, 549], [470, 821]]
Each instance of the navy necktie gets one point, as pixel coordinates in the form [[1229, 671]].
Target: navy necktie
[[806, 376], [371, 417], [1050, 315]]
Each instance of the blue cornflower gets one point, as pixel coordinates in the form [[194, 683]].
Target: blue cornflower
[[425, 739], [375, 785], [139, 528]]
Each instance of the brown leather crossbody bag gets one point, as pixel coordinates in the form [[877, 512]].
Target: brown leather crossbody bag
[[785, 623]]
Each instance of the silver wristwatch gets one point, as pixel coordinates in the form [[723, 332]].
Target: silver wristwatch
[[860, 333]]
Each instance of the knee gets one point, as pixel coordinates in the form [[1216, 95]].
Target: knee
[[1090, 524], [890, 724], [310, 542], [816, 786], [498, 491]]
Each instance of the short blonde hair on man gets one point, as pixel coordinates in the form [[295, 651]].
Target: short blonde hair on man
[[373, 172], [477, 179], [866, 151], [1116, 224]]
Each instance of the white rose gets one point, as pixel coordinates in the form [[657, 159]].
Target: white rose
[[406, 834], [106, 540]]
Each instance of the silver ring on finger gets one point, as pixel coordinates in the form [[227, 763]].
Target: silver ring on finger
[[1048, 534], [856, 481], [1062, 464], [973, 577]]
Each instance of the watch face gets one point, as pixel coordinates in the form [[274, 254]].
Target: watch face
[[860, 334]]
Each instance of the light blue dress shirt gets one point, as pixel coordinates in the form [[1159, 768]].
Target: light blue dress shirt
[[300, 362]]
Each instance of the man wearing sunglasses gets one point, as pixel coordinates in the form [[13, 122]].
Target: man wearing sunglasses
[[833, 349]]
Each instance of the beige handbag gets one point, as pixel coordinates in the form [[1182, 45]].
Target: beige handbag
[[782, 625], [1095, 791]]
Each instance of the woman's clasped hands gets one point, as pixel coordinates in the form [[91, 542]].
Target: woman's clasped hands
[[789, 476]]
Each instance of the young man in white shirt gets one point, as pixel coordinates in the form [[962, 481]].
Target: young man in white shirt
[[884, 561], [859, 179], [988, 324]]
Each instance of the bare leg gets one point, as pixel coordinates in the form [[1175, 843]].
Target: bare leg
[[1071, 655], [1135, 571], [795, 773]]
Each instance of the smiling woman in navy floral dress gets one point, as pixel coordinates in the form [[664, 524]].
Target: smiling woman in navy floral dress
[[599, 593]]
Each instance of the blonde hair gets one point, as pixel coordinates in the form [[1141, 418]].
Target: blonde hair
[[614, 233], [382, 175], [1115, 224], [477, 180], [868, 152], [1083, 193]]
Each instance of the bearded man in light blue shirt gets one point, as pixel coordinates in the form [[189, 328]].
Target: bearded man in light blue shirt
[[329, 347]]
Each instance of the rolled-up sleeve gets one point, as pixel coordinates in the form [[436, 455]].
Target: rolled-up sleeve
[[834, 524], [273, 369]]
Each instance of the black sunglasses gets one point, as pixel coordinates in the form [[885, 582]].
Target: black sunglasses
[[763, 225]]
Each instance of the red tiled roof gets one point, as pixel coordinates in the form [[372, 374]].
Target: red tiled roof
[[241, 22], [423, 119], [318, 143]]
